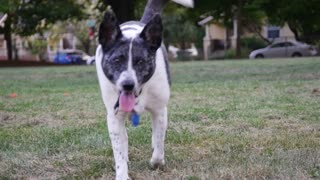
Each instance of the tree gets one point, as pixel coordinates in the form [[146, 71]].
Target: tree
[[124, 9], [254, 19], [303, 18], [26, 17], [178, 29], [8, 7], [38, 47]]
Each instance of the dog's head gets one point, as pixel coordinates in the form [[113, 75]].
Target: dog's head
[[129, 62]]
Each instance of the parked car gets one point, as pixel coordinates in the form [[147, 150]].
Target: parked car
[[70, 57], [90, 60], [192, 51], [284, 49]]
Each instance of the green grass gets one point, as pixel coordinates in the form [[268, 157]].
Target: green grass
[[228, 120]]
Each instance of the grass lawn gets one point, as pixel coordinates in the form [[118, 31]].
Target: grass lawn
[[227, 120]]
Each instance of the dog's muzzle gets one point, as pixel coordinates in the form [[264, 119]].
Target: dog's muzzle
[[128, 85]]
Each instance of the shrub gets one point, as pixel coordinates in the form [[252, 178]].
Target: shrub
[[248, 44], [253, 43], [231, 53]]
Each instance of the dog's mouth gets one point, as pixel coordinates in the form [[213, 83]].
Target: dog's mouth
[[127, 100]]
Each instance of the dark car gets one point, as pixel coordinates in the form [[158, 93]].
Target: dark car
[[69, 57]]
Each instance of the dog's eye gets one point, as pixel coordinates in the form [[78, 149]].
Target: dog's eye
[[118, 59], [138, 61]]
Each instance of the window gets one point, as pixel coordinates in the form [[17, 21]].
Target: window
[[288, 44], [278, 45], [273, 32]]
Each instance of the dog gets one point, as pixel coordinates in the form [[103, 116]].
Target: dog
[[133, 73]]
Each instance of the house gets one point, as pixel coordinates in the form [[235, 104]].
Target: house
[[3, 51], [3, 18], [218, 38]]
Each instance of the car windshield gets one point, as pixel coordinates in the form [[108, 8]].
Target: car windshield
[[278, 45], [289, 44]]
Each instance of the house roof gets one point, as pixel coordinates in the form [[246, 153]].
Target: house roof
[[205, 20], [3, 17]]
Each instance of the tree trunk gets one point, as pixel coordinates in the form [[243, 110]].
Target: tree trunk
[[239, 28], [124, 9], [7, 37], [294, 29], [257, 30], [15, 49]]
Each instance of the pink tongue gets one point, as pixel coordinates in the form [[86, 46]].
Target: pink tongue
[[127, 101]]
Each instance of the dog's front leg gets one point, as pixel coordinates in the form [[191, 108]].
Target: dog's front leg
[[159, 127], [119, 140]]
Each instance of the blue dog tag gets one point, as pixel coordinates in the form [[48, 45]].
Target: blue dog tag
[[135, 119]]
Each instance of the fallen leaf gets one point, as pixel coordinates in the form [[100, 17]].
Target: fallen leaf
[[316, 90], [13, 95], [66, 94]]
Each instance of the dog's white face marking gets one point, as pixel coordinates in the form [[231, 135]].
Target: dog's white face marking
[[131, 31], [130, 68], [129, 75]]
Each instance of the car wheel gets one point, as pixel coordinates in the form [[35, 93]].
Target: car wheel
[[259, 56], [296, 54]]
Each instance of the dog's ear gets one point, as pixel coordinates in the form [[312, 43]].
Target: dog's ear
[[109, 30], [152, 33]]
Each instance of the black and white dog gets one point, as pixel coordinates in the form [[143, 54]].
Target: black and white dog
[[133, 73]]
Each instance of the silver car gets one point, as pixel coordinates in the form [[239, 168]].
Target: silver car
[[284, 49]]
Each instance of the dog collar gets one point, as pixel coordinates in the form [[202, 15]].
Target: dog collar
[[135, 119]]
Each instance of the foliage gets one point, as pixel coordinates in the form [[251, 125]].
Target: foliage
[[79, 29], [38, 46], [8, 6], [253, 43], [231, 53], [248, 44], [86, 44], [36, 15], [124, 9], [179, 30], [302, 17], [253, 19], [27, 17]]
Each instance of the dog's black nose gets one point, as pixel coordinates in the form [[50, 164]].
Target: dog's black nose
[[128, 85]]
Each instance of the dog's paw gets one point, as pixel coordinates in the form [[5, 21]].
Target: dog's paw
[[123, 177], [157, 164]]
